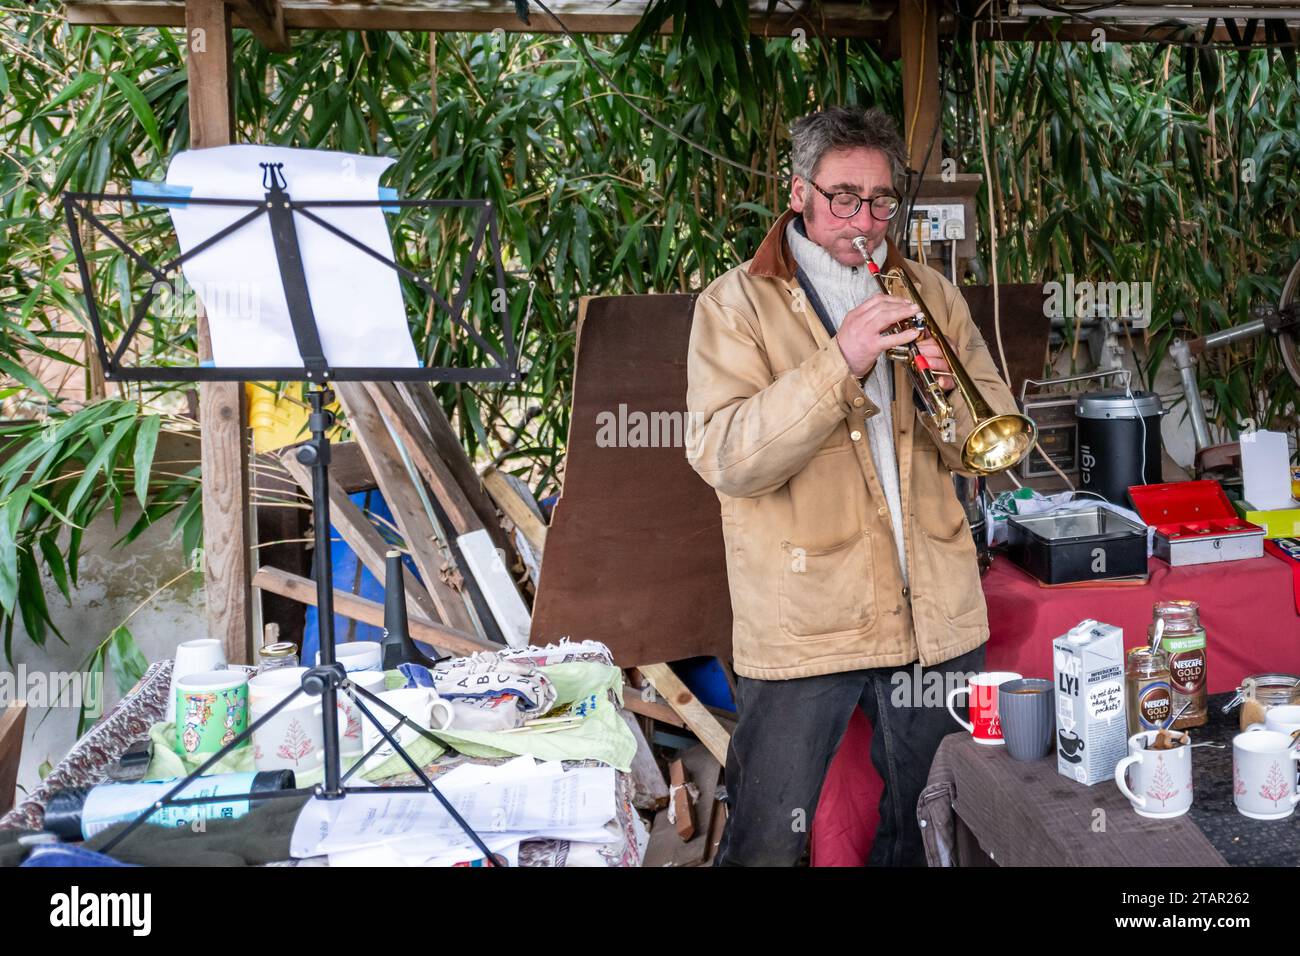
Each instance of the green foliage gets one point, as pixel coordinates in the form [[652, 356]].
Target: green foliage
[[56, 477]]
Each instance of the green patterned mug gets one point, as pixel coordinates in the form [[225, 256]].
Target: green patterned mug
[[211, 711]]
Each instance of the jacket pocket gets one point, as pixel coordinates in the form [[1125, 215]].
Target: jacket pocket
[[954, 575], [828, 591]]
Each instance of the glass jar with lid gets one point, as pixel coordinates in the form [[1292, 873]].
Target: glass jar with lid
[[279, 654], [1147, 693], [1184, 642]]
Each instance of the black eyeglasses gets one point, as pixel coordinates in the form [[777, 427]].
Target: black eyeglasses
[[845, 205]]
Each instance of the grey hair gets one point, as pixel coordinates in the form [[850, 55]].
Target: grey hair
[[845, 127]]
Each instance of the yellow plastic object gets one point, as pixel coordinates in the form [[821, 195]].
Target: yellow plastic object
[[279, 419]]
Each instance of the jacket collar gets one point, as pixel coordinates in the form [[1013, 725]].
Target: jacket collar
[[774, 258]]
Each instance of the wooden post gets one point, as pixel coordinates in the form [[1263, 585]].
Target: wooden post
[[223, 417], [918, 28]]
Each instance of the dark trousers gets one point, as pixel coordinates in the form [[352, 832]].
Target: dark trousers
[[787, 734]]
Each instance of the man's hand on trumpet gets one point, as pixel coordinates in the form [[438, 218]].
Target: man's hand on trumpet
[[938, 364], [864, 334]]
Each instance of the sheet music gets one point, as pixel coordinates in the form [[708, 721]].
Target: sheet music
[[356, 299]]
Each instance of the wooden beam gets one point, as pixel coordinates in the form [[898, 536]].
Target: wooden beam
[[697, 717], [223, 413], [12, 721], [447, 446], [428, 462], [265, 18], [408, 510], [515, 508], [362, 536], [918, 26], [851, 19], [370, 612]]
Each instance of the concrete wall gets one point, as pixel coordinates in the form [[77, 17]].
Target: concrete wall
[[112, 583]]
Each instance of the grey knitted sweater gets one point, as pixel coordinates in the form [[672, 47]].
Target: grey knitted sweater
[[841, 289]]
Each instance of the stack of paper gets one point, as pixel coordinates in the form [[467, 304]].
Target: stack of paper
[[506, 804]]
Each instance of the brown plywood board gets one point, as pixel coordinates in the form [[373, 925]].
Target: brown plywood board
[[634, 552]]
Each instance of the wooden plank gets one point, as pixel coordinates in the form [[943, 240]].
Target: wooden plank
[[12, 722], [446, 445], [600, 17], [697, 717], [431, 466], [402, 499], [680, 801], [223, 412], [514, 508], [918, 30], [361, 536], [649, 789], [371, 612], [265, 18]]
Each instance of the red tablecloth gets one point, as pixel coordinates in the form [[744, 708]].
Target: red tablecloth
[[1248, 609]]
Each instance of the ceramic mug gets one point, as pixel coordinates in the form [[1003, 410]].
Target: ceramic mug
[[350, 716], [211, 711], [1283, 718], [294, 739], [193, 657], [358, 655], [421, 704], [1026, 710], [1264, 775], [1162, 779], [984, 725]]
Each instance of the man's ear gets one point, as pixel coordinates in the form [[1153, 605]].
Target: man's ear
[[797, 190]]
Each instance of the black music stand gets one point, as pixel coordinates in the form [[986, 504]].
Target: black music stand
[[328, 678]]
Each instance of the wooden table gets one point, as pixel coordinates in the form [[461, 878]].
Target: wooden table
[[983, 808]]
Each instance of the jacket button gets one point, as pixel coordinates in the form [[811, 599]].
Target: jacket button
[[855, 435], [859, 402], [882, 511], [905, 592]]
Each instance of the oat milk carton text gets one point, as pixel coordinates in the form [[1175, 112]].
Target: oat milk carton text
[[1091, 726]]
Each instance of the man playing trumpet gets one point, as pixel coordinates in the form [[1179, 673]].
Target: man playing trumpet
[[849, 557]]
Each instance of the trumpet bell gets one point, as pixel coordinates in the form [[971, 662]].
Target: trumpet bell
[[998, 443]]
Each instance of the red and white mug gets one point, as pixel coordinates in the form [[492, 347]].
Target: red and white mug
[[984, 725]]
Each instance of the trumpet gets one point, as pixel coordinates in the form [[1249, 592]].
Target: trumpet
[[997, 441]]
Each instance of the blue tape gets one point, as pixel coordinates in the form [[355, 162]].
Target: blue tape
[[143, 187], [388, 192]]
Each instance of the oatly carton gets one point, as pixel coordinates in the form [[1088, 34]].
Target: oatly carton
[[1091, 727]]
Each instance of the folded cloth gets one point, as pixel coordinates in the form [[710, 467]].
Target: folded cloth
[[486, 674]]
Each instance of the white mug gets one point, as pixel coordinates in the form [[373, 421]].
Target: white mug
[[1283, 718], [1162, 779], [350, 716], [1264, 775], [421, 704], [358, 655], [294, 739], [193, 657]]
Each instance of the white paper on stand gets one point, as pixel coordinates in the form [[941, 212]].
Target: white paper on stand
[[356, 300], [1266, 470]]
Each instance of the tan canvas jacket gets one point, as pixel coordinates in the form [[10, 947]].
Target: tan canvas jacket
[[778, 430]]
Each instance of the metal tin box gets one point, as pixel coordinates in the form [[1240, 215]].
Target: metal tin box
[[1078, 545], [1195, 523]]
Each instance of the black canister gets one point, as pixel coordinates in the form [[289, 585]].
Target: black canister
[[1115, 427], [65, 812]]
